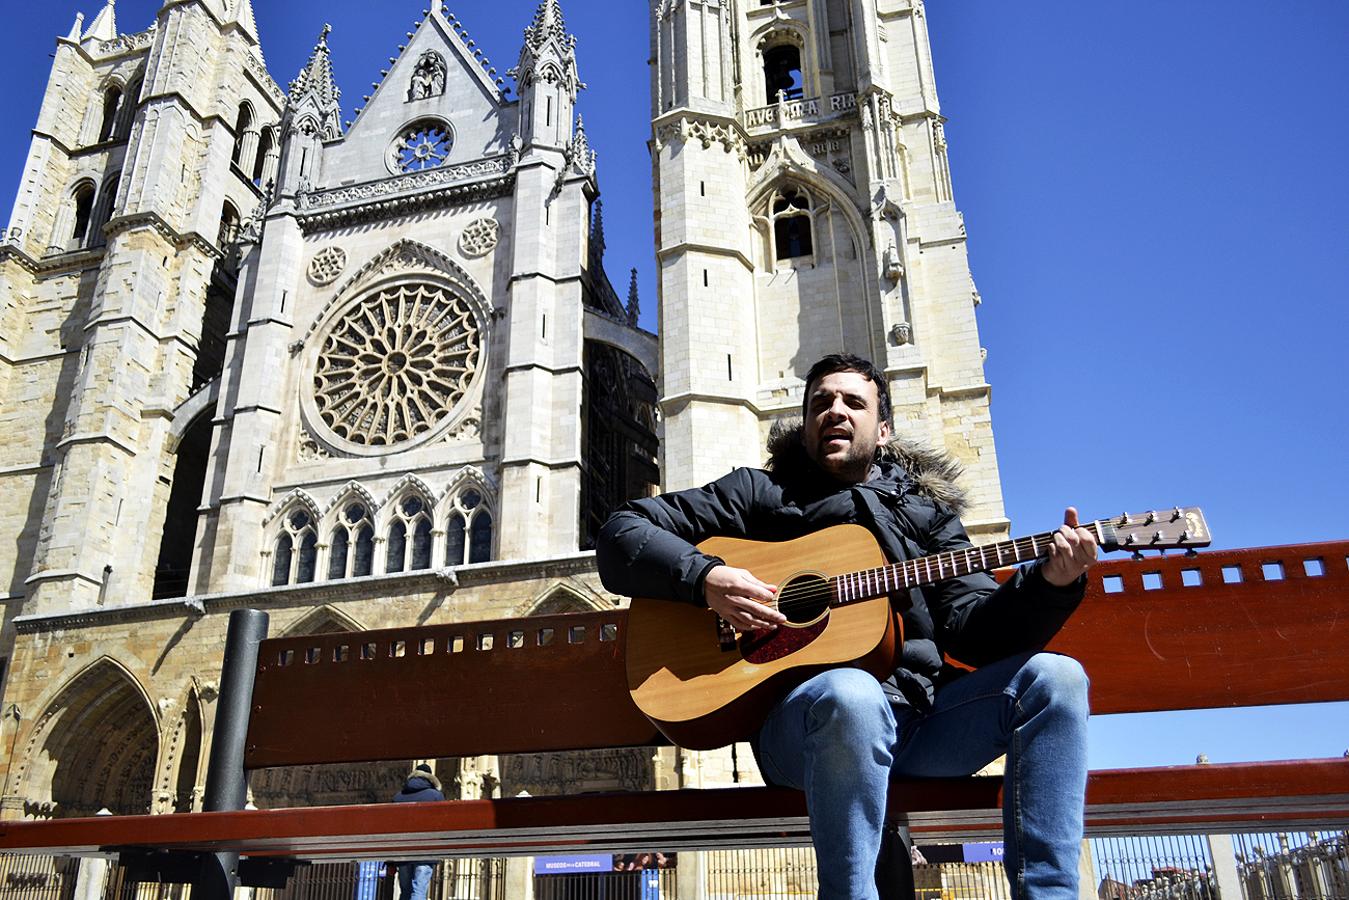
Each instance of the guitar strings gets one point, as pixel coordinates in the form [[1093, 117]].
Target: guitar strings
[[797, 596]]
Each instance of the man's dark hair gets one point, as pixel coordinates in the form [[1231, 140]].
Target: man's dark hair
[[848, 362]]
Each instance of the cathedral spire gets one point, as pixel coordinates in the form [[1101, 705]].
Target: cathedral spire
[[548, 23], [548, 80], [242, 13], [105, 25], [314, 90], [634, 305], [77, 30]]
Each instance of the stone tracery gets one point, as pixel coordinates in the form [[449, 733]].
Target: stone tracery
[[327, 265], [395, 364], [480, 237], [425, 144]]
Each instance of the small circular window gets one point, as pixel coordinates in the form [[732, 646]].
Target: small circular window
[[425, 144]]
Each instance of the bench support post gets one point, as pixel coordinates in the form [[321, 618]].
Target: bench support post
[[226, 780]]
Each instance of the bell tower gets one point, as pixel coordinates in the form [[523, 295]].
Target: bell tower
[[804, 207], [150, 150]]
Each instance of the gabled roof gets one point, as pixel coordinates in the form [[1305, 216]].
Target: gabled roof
[[452, 36]]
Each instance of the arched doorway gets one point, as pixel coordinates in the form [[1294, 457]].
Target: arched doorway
[[95, 748]]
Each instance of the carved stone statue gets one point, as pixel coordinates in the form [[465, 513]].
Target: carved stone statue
[[428, 79]]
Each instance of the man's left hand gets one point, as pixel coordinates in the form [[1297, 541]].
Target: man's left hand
[[1073, 552]]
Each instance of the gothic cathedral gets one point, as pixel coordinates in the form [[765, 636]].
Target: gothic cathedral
[[372, 373], [247, 347]]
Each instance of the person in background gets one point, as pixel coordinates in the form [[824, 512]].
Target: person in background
[[414, 877]]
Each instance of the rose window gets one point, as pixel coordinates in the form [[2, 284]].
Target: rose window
[[423, 145], [396, 364]]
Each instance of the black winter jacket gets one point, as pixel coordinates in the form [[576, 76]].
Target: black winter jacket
[[647, 549], [420, 787]]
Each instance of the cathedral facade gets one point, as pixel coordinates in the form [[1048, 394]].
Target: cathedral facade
[[248, 347], [372, 373]]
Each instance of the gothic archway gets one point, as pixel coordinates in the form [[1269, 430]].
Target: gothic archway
[[94, 747]]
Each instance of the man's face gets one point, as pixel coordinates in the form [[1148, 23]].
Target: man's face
[[843, 425]]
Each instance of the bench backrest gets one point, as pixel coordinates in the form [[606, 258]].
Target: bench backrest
[[1154, 634]]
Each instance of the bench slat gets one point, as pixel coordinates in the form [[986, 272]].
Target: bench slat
[[1214, 645], [544, 683], [1295, 795]]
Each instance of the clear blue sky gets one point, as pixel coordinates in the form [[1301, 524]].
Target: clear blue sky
[[1157, 199]]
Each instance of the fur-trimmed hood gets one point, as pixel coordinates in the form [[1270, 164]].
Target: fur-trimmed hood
[[933, 473], [421, 786]]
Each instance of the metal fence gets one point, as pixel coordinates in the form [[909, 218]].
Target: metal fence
[[37, 878], [1154, 867], [1278, 866], [646, 884], [779, 873], [451, 879], [1309, 866]]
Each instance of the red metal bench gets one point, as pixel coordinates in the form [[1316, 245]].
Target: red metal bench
[[1155, 634]]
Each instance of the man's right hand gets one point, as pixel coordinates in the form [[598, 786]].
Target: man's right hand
[[744, 601]]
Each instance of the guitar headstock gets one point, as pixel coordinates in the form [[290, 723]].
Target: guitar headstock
[[1178, 528]]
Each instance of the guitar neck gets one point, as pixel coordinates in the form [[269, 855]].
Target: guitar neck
[[872, 583]]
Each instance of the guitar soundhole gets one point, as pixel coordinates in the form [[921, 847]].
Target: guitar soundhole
[[804, 599]]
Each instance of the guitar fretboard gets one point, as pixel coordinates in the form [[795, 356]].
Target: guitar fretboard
[[872, 583]]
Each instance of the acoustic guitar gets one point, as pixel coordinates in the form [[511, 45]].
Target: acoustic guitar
[[704, 685]]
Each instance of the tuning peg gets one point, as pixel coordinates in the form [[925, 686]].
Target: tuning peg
[[1152, 517], [1176, 514], [1124, 518], [1156, 537], [1184, 536]]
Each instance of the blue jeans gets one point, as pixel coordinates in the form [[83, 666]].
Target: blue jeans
[[839, 739], [414, 880]]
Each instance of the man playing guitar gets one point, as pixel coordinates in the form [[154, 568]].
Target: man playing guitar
[[839, 735]]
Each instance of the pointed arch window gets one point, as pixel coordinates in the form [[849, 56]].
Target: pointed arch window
[[243, 124], [295, 553], [789, 211], [409, 544], [112, 107], [782, 72], [469, 531], [83, 201], [351, 551], [229, 225], [265, 145], [107, 198]]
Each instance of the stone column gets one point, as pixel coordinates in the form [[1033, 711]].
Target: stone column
[[1225, 877], [248, 151]]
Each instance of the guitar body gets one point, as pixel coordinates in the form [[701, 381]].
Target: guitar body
[[701, 694]]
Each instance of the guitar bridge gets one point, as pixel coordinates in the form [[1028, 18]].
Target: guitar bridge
[[725, 635]]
